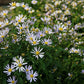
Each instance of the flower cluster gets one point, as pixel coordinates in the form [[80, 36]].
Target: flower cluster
[[19, 64]]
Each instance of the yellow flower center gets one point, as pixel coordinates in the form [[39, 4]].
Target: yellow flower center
[[41, 35], [6, 47], [19, 20], [21, 27], [72, 50], [30, 11], [7, 23], [27, 70], [31, 38], [27, 9], [20, 32], [37, 30], [23, 54], [34, 2], [16, 24], [19, 64], [4, 14], [9, 70], [13, 81], [34, 42], [31, 75], [46, 32], [76, 51], [23, 6], [61, 29], [46, 42], [71, 75], [37, 52], [0, 25], [13, 4], [2, 36], [33, 29]]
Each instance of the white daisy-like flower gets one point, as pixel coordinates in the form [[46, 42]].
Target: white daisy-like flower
[[6, 22], [73, 50], [70, 75], [27, 69], [15, 23], [1, 24], [20, 18], [40, 34], [60, 27], [74, 4], [31, 11], [57, 3], [47, 41], [37, 52], [30, 37], [27, 8], [32, 76], [4, 13], [67, 12], [46, 19], [9, 69], [34, 41], [3, 33], [47, 30], [12, 80], [34, 1], [13, 4], [23, 5], [19, 63], [21, 26]]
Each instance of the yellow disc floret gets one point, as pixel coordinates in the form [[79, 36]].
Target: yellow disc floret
[[37, 52], [9, 70]]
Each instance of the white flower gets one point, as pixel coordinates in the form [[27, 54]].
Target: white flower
[[47, 42], [27, 8], [19, 63], [34, 40], [60, 27], [21, 26], [13, 4], [12, 80], [57, 3], [34, 2], [40, 34], [46, 19], [23, 5], [20, 18], [4, 13], [47, 30], [74, 4], [70, 75], [32, 76], [37, 52], [1, 24], [15, 23], [31, 11], [27, 69], [67, 12], [9, 69], [73, 50], [30, 37], [3, 33], [6, 22]]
